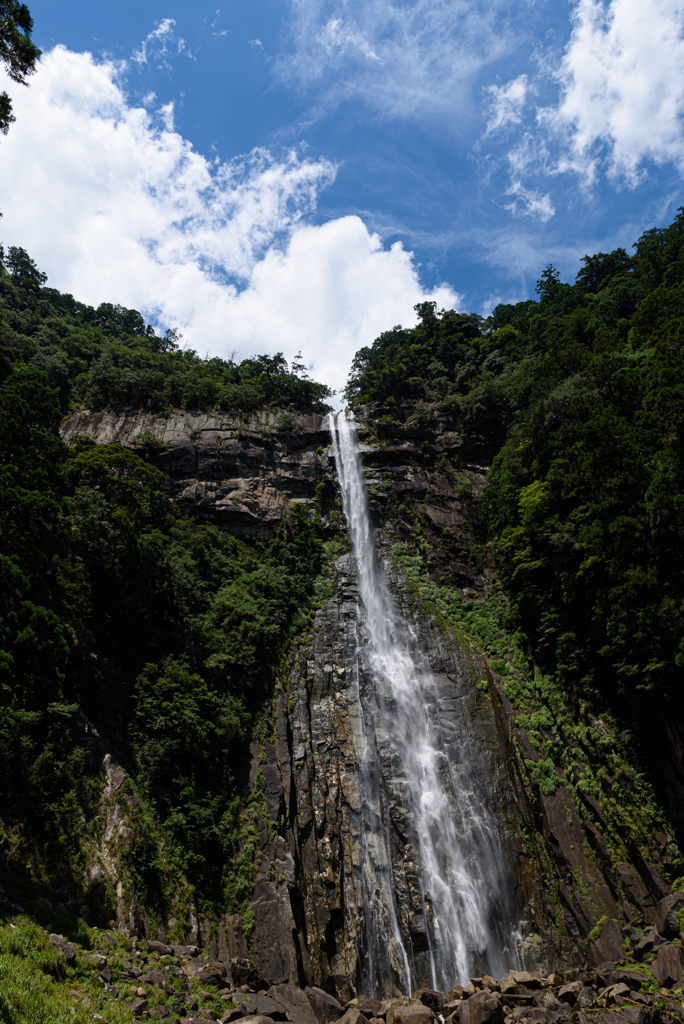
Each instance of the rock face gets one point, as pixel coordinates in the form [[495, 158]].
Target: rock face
[[236, 471], [573, 894]]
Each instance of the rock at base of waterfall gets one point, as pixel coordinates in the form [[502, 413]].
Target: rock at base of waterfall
[[455, 992], [353, 1016], [325, 1006], [430, 997], [526, 979], [295, 1001], [482, 1008], [667, 967], [415, 1013], [371, 1008]]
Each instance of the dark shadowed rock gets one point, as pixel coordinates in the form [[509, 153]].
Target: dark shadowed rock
[[295, 1001], [667, 967], [213, 974], [482, 1008], [570, 993], [245, 973], [527, 980], [430, 997], [667, 917], [325, 1006], [67, 949]]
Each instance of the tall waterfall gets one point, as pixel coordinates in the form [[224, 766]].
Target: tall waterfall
[[427, 807]]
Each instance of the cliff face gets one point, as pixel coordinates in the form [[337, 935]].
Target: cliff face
[[235, 471], [586, 851]]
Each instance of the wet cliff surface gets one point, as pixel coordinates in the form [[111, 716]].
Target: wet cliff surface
[[588, 852]]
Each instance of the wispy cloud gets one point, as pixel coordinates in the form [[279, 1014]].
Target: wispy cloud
[[506, 103], [159, 46], [402, 60]]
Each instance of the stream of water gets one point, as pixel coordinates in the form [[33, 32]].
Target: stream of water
[[413, 798]]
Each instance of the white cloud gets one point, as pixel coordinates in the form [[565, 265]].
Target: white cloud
[[402, 59], [159, 44], [622, 79], [116, 206], [506, 104], [530, 202]]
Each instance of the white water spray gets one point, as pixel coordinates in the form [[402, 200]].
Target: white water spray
[[452, 841]]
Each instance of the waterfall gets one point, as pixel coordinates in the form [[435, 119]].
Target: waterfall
[[416, 804]]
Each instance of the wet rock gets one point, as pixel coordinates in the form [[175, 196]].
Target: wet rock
[[325, 1006], [430, 997], [667, 967], [482, 1008]]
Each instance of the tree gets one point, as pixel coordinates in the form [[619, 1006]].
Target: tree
[[20, 265], [18, 54]]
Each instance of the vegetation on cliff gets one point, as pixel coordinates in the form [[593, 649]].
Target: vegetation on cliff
[[114, 610], [579, 398]]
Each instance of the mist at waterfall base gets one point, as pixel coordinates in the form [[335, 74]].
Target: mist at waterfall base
[[430, 809]]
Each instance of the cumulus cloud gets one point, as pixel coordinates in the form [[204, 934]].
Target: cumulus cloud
[[401, 59], [622, 88], [116, 206]]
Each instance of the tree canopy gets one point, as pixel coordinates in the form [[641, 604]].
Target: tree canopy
[[18, 53]]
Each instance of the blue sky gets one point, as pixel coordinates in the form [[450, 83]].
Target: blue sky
[[296, 174]]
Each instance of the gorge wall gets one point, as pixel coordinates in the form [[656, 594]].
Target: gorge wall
[[589, 853]]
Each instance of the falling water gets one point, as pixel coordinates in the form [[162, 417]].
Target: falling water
[[451, 838]]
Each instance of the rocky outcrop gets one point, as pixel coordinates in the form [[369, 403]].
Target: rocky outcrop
[[586, 875], [237, 471]]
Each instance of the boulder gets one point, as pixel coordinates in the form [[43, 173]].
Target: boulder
[[369, 1008], [482, 1008], [667, 915], [570, 993], [295, 1001], [67, 949], [106, 975], [455, 992], [259, 1005], [430, 997], [414, 1013], [43, 903], [154, 978], [158, 947], [587, 996], [325, 1006], [650, 942], [667, 967], [252, 1020], [243, 972], [451, 1007], [525, 979], [213, 974], [353, 1016]]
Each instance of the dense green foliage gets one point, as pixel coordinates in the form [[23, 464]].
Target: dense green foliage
[[108, 358], [114, 609], [580, 398], [18, 54]]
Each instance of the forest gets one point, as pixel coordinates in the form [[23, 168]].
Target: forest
[[579, 397]]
